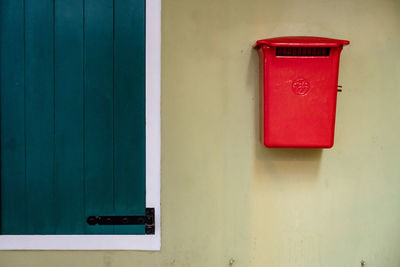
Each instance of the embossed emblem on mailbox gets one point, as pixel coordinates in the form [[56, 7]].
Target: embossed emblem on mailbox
[[301, 86]]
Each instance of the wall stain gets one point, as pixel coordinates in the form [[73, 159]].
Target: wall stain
[[107, 260]]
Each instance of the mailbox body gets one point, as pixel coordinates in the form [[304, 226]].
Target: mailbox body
[[298, 89]]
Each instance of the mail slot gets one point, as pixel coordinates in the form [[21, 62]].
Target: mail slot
[[298, 90]]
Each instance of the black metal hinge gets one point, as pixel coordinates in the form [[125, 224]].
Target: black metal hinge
[[147, 220]]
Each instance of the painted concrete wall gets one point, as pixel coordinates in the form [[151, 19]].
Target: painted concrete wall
[[226, 196]]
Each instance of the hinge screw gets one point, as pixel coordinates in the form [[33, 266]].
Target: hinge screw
[[92, 220], [363, 263]]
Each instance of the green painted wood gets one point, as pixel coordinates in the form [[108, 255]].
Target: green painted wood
[[39, 105], [69, 179], [129, 110], [72, 114], [13, 202], [99, 153]]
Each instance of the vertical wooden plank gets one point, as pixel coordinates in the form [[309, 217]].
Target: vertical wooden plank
[[13, 204], [129, 126], [39, 41], [99, 111], [69, 183]]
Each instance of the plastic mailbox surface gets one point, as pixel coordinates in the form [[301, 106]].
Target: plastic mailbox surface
[[298, 89]]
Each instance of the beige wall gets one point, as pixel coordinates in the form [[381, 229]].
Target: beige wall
[[226, 196]]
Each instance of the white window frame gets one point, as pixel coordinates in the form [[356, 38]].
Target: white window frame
[[153, 157]]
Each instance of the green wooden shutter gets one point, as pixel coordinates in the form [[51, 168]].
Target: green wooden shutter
[[72, 115]]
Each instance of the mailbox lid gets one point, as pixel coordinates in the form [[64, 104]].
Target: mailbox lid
[[302, 41]]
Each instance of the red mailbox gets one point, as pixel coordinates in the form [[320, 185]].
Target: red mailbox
[[298, 88]]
